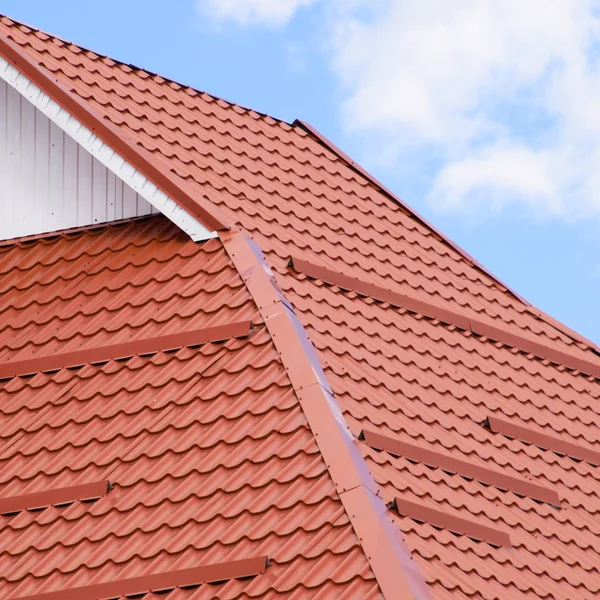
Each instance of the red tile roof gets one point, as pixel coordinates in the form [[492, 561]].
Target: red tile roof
[[215, 452], [207, 448]]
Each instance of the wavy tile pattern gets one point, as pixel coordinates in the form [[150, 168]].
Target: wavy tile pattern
[[421, 381], [208, 450], [281, 184], [220, 426]]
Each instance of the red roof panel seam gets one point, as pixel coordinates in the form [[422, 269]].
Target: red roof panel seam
[[40, 414], [162, 415], [390, 559]]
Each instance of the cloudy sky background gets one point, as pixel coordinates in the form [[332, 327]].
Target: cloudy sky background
[[482, 114]]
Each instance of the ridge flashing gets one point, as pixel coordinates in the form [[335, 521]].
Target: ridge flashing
[[396, 572]]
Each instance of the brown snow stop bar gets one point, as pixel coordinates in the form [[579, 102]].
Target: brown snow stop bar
[[442, 520], [160, 582], [142, 347], [58, 496], [459, 467], [449, 317], [530, 436]]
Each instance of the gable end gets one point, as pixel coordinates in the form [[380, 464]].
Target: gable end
[[132, 193]]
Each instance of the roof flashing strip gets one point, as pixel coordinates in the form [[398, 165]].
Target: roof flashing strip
[[396, 572], [159, 582], [541, 440], [449, 317], [460, 467], [56, 497], [441, 520], [128, 161], [143, 347]]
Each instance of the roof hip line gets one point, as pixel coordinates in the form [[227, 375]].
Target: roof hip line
[[396, 572], [134, 154]]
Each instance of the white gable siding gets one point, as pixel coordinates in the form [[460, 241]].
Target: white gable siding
[[50, 182]]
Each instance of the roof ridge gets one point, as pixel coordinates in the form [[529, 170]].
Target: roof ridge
[[203, 208], [133, 67], [380, 537]]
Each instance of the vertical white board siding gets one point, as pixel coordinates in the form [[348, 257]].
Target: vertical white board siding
[[136, 196], [49, 181]]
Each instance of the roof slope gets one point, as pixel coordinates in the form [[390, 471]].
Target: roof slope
[[277, 182], [433, 386], [420, 381], [207, 448]]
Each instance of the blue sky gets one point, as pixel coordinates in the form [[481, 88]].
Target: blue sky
[[482, 115]]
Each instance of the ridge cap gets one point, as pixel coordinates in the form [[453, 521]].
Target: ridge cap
[[379, 536], [134, 154]]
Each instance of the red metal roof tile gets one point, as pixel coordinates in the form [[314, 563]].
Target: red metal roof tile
[[243, 162], [212, 450], [206, 448]]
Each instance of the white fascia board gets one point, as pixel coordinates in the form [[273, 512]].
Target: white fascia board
[[104, 153]]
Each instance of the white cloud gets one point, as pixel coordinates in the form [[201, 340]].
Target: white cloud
[[505, 93], [273, 13], [502, 95]]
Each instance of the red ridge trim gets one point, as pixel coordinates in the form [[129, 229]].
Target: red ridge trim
[[444, 315], [459, 467], [206, 212], [159, 582], [356, 167], [442, 520], [512, 430], [66, 495], [396, 572], [141, 347]]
